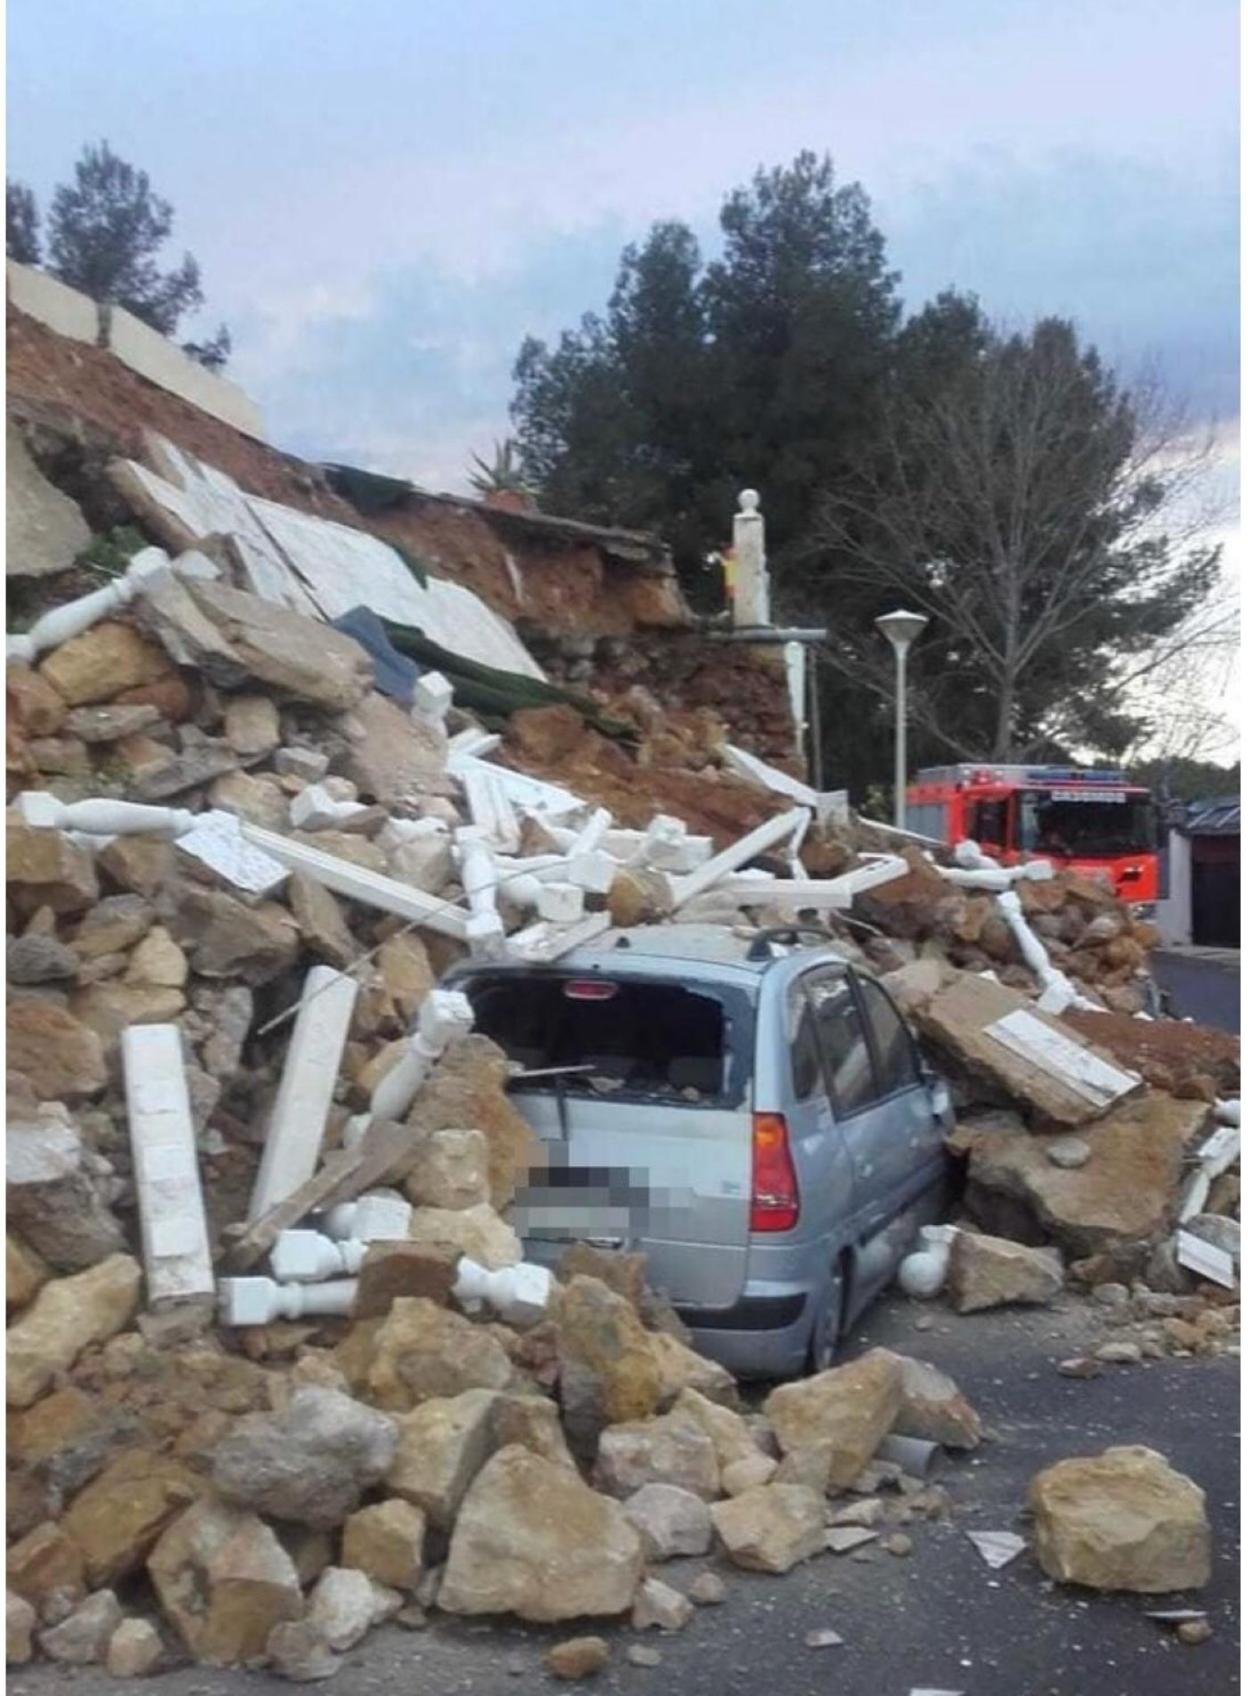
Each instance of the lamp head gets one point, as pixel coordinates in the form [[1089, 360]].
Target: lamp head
[[900, 627]]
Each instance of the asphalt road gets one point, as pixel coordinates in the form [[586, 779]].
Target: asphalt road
[[1204, 987], [938, 1620]]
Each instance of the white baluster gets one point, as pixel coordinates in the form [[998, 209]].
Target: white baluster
[[518, 1294], [305, 1257], [63, 623], [479, 876], [259, 1301], [102, 817], [445, 1016], [376, 1216]]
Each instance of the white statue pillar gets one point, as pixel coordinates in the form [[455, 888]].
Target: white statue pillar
[[751, 602]]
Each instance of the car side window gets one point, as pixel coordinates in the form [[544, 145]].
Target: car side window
[[894, 1050], [843, 1046], [803, 1048]]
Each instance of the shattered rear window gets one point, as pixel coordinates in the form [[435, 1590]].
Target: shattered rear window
[[612, 1039]]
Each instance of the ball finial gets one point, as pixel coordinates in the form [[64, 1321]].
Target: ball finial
[[747, 500]]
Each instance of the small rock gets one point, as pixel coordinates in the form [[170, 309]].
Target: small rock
[[577, 1657], [670, 1449], [989, 1271], [412, 1617], [1111, 1295], [708, 1590], [898, 1543], [34, 959], [658, 1604], [824, 1638], [83, 1638], [1194, 1631], [296, 1650], [133, 1649], [386, 1541], [1068, 1152], [841, 1539], [341, 1606], [1120, 1353], [65, 1317], [642, 1655], [770, 1528], [1079, 1366], [671, 1521], [20, 1620]]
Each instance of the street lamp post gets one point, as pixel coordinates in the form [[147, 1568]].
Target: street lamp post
[[901, 628]]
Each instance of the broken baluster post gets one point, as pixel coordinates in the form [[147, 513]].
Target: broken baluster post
[[63, 623], [293, 1144], [479, 876], [259, 1301], [445, 1016]]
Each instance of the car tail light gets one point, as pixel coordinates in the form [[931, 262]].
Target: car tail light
[[774, 1204]]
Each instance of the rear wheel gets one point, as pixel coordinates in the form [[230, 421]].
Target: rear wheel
[[826, 1334]]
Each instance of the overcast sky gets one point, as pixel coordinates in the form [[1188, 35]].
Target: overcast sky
[[386, 195]]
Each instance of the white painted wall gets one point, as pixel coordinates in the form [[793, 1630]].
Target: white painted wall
[[144, 350], [1174, 910]]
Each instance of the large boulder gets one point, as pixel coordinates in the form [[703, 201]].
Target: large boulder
[[1121, 1520], [67, 1316], [301, 657], [771, 1527], [608, 1374], [55, 1196], [442, 1446], [673, 1448], [451, 1170], [477, 1232], [844, 1414], [994, 1271], [671, 1521], [310, 1464], [727, 1430], [118, 1517], [424, 1351], [468, 1087], [533, 1540], [62, 1057], [682, 1368], [386, 1540], [933, 1408], [1125, 1191], [224, 1581]]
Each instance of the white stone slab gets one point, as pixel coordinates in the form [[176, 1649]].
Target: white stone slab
[[177, 1258], [1078, 1068], [358, 884], [216, 840]]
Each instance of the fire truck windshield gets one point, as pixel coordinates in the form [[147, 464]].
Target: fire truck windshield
[[1077, 823]]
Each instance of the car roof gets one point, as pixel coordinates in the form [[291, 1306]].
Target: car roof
[[632, 948]]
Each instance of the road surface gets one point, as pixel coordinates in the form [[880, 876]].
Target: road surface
[[936, 1620], [1203, 984]]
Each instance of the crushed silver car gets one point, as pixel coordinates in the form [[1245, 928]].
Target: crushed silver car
[[751, 1114]]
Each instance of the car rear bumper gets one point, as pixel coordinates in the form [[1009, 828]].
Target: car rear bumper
[[764, 1334]]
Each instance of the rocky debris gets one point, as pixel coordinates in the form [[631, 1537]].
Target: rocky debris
[[671, 1521], [841, 1415], [993, 1271], [1121, 1520], [394, 1270], [342, 1606], [532, 1540], [467, 1088], [477, 1232], [442, 1446], [103, 662], [577, 1657], [451, 1170], [296, 1650], [771, 1527], [118, 1517], [44, 530], [310, 1464], [82, 1639], [1125, 1190], [959, 1021]]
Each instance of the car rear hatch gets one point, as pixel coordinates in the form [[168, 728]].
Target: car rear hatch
[[639, 1087]]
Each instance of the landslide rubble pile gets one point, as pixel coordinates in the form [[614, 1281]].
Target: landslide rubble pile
[[258, 1473]]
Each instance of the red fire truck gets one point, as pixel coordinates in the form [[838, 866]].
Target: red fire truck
[[1095, 822]]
